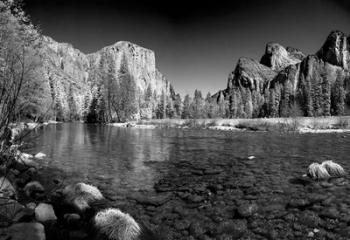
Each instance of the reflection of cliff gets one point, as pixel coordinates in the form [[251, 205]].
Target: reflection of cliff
[[113, 156]]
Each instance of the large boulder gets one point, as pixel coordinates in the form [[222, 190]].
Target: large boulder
[[81, 195], [7, 190], [115, 224], [34, 189], [8, 210], [44, 212], [24, 161], [40, 155], [27, 231]]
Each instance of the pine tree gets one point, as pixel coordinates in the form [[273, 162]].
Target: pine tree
[[170, 111], [222, 106], [148, 95], [197, 105], [161, 107], [186, 112], [338, 95], [206, 108], [178, 106], [124, 101], [73, 110], [326, 95]]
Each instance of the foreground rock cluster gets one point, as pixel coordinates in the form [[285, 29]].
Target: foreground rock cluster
[[225, 201], [197, 200]]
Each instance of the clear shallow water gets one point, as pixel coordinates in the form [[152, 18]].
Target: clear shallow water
[[126, 159], [204, 179]]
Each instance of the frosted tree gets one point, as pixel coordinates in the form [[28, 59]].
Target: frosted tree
[[186, 111], [124, 102]]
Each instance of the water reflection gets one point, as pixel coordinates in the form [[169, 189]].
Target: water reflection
[[121, 157]]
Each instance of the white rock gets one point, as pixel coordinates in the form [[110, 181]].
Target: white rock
[[44, 212], [32, 126], [40, 155], [334, 169], [116, 224], [317, 171], [251, 157], [25, 160]]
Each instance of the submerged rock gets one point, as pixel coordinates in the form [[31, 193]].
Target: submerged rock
[[44, 212], [34, 189], [73, 220], [27, 231], [8, 210], [247, 209], [81, 195], [156, 200], [7, 190], [235, 228]]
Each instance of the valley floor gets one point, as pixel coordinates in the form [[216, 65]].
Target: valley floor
[[299, 124]]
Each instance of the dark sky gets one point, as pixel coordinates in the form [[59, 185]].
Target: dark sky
[[196, 43]]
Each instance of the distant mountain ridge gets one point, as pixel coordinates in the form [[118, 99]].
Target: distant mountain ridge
[[75, 78], [287, 83]]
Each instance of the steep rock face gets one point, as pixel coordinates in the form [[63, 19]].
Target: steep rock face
[[308, 88], [246, 87], [66, 69], [141, 64], [292, 85], [277, 57], [336, 50], [73, 76]]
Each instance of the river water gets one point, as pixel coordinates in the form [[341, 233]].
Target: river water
[[126, 160]]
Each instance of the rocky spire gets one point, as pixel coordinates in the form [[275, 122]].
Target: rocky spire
[[336, 50]]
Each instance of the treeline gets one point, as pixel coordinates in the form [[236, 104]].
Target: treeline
[[322, 93], [116, 98], [23, 93]]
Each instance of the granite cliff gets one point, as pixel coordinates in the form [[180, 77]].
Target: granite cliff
[[76, 79], [287, 83]]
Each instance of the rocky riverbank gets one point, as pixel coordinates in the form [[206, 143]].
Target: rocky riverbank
[[196, 201], [299, 124]]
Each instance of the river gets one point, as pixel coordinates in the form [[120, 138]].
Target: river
[[200, 168]]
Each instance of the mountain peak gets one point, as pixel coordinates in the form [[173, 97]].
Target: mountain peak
[[336, 49], [277, 57]]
